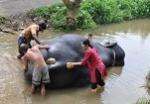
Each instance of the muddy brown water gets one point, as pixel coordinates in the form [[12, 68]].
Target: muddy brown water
[[11, 7], [123, 84]]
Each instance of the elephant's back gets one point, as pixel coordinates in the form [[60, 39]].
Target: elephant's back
[[66, 47]]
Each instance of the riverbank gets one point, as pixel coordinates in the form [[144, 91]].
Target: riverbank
[[95, 12], [15, 13], [13, 7]]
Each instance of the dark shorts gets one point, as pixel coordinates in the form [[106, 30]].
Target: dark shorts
[[22, 40], [100, 81]]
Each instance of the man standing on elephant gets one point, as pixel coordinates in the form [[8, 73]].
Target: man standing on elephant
[[40, 74], [30, 33]]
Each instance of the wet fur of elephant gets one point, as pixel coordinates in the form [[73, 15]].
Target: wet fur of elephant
[[68, 48]]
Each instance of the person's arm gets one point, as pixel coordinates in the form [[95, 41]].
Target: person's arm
[[35, 34], [43, 47], [86, 58], [26, 61], [70, 65], [76, 63]]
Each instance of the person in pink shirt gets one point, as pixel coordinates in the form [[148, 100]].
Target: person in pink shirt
[[95, 64]]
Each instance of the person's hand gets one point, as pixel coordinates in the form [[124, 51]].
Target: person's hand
[[46, 46], [69, 65]]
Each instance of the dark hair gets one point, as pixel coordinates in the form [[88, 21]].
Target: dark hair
[[87, 42], [42, 25]]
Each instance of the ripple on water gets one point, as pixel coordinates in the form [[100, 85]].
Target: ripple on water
[[10, 88]]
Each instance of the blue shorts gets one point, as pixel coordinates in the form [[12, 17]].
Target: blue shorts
[[22, 40]]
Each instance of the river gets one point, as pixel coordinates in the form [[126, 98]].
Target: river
[[12, 7], [124, 85]]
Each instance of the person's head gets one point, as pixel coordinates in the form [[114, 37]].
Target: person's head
[[86, 43], [42, 25], [23, 48]]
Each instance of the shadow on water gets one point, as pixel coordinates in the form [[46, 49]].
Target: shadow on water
[[123, 84]]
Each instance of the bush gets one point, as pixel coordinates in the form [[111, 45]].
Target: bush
[[143, 100], [58, 19], [94, 12], [84, 20], [3, 20]]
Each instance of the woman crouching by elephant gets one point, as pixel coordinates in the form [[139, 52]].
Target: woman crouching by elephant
[[95, 65]]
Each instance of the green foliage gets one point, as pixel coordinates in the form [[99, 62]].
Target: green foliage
[[143, 100], [94, 12], [84, 20], [3, 20], [46, 11], [125, 8], [143, 8], [58, 19], [55, 14], [103, 11]]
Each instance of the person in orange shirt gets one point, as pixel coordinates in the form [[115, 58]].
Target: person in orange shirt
[[30, 33]]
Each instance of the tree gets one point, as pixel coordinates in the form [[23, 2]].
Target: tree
[[72, 6]]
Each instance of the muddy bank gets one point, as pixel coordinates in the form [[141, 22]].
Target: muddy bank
[[90, 14], [13, 13], [15, 23]]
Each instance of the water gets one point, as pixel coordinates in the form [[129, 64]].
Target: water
[[11, 7], [123, 84]]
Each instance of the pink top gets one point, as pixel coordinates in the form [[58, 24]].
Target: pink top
[[93, 60]]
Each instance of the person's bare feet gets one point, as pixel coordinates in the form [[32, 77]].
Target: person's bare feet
[[43, 91], [94, 90], [101, 87]]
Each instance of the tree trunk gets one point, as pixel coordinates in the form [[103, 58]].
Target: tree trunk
[[72, 6]]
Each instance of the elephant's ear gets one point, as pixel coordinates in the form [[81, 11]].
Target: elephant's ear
[[110, 44]]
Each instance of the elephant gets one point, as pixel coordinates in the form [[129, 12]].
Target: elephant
[[68, 48]]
